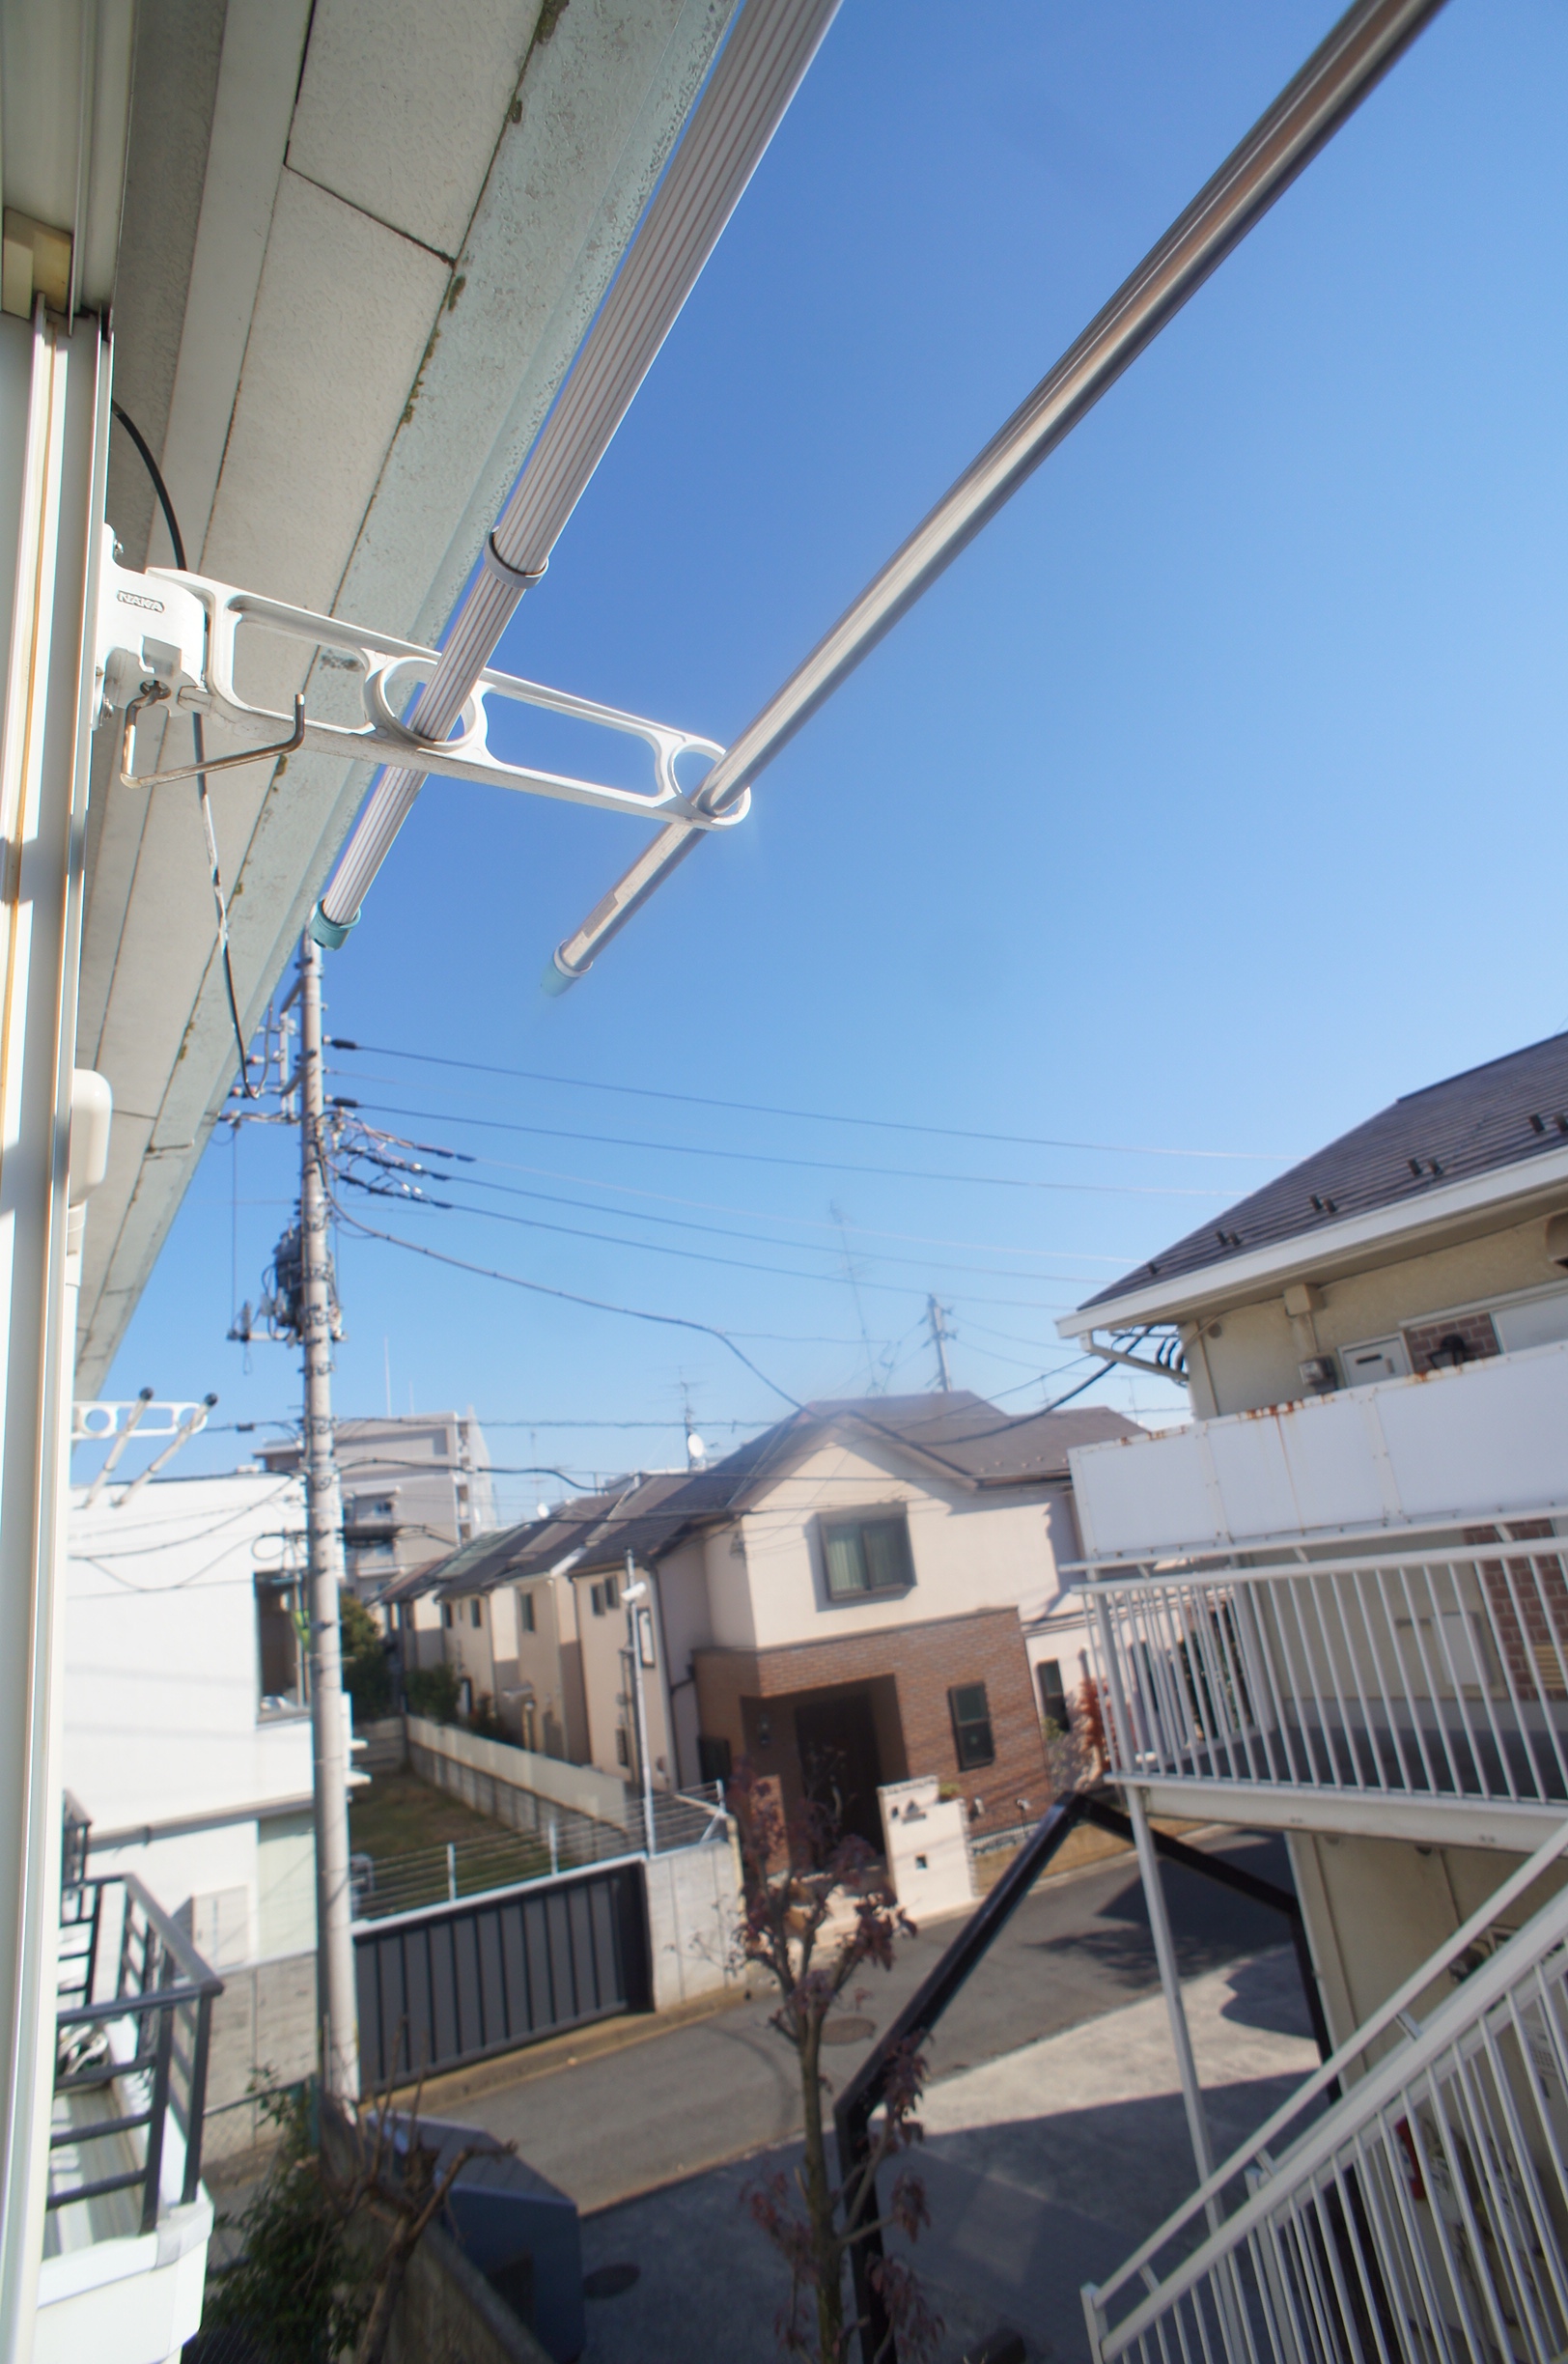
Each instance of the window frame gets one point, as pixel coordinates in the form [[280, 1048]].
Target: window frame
[[834, 1527], [962, 1724]]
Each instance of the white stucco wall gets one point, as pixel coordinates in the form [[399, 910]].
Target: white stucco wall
[[163, 1700]]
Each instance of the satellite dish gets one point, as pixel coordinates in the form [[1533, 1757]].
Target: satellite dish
[[696, 1450], [542, 1509]]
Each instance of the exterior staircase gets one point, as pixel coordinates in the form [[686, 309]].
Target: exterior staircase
[[1411, 2200]]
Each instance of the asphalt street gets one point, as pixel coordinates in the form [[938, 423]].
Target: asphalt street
[[722, 2087]]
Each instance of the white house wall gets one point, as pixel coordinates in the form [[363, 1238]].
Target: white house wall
[[163, 1700], [970, 1550], [684, 1592]]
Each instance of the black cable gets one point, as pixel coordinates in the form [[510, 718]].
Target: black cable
[[538, 1288], [249, 1091], [755, 1107], [759, 1157]]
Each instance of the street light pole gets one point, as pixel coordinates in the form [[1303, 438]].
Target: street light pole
[[637, 1592], [336, 2005]]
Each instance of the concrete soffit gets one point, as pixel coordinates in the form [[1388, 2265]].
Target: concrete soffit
[[364, 358]]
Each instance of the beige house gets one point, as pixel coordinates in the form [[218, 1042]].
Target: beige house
[[840, 1602], [1335, 1605]]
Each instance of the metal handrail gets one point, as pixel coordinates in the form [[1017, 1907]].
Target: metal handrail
[[158, 1974], [1397, 2136], [1442, 1672]]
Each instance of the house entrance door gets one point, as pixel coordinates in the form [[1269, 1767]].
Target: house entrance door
[[840, 1768]]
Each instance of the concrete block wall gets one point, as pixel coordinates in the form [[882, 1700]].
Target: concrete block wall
[[693, 1920], [264, 2034], [476, 1770]]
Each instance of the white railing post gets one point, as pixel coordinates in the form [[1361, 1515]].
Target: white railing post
[[1197, 2125]]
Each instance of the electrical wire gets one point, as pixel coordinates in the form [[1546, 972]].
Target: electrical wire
[[759, 1157], [249, 1090], [539, 1288], [711, 1206], [584, 1206], [756, 1107], [695, 1255]]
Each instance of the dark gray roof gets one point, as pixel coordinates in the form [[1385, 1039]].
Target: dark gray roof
[[1504, 1113], [959, 1436]]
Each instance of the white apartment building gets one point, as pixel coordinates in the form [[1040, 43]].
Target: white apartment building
[[1336, 1605], [187, 1724], [333, 266], [414, 1487]]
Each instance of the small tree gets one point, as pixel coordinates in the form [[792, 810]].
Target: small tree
[[396, 2184], [365, 1674], [432, 1691], [792, 1867], [307, 2286]]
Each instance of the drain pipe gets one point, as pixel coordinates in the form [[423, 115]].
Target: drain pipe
[[760, 69]]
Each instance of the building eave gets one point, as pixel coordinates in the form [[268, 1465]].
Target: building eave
[[1456, 1210]]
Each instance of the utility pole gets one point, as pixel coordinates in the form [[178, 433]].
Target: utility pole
[[637, 1592], [336, 2006], [939, 1339]]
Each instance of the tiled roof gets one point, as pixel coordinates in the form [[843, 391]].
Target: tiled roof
[[958, 1434], [1504, 1113]]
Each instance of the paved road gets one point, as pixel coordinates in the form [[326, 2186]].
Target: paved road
[[1042, 2170], [722, 2087]]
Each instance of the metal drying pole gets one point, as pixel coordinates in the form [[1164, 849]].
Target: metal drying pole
[[1359, 50]]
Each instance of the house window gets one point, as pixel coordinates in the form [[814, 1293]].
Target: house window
[[476, 1612], [867, 1554], [712, 1759], [596, 1594], [525, 1611], [447, 1618], [279, 1659], [970, 1712], [623, 1747], [1053, 1707]]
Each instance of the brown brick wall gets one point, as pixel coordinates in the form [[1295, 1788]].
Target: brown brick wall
[[1425, 1344], [920, 1664], [1530, 1602]]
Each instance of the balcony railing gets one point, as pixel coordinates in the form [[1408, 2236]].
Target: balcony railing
[[130, 2067], [1408, 2201], [1437, 1670]]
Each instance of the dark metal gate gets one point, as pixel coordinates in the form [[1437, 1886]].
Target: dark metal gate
[[457, 1982]]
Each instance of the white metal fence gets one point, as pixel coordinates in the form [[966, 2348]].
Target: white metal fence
[[1440, 1669], [1422, 2214], [563, 1841]]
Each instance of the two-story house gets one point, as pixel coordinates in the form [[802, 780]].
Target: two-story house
[[1334, 1605], [839, 1602]]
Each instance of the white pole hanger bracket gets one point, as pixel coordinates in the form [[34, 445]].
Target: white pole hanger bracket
[[169, 639]]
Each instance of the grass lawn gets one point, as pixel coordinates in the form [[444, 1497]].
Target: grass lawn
[[406, 1826], [400, 1813]]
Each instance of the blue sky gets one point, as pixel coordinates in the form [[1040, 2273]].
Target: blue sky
[[1192, 811]]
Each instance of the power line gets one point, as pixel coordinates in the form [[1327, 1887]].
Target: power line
[[514, 1190], [611, 1239], [709, 1206], [761, 1157], [755, 1107], [539, 1288]]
